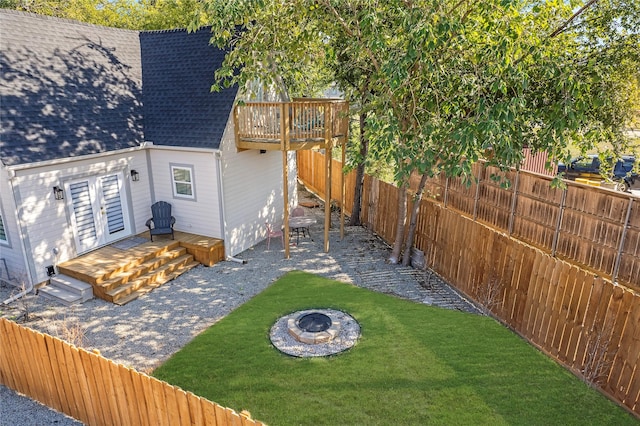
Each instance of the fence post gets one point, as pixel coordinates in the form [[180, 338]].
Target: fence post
[[514, 199], [477, 197], [446, 191], [616, 267], [556, 235]]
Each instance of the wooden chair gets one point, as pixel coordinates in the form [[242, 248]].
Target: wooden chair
[[161, 222], [273, 233]]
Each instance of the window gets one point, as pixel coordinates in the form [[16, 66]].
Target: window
[[3, 233], [183, 182]]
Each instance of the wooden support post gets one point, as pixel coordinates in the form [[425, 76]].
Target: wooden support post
[[342, 189], [285, 196], [284, 144], [327, 196], [327, 181]]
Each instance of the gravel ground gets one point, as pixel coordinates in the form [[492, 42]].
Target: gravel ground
[[145, 332]]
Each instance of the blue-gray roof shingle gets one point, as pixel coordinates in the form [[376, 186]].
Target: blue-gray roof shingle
[[69, 89], [177, 73]]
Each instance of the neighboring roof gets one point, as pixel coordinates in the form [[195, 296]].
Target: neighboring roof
[[179, 107], [67, 88]]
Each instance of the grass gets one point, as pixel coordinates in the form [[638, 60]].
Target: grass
[[414, 364]]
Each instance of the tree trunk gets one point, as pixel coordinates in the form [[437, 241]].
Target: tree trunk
[[402, 218], [357, 196], [413, 223]]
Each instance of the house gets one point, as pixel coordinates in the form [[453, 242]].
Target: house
[[99, 123]]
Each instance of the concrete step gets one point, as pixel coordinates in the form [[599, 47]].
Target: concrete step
[[59, 295], [66, 290], [72, 285]]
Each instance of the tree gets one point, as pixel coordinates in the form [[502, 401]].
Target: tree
[[447, 81], [131, 14]]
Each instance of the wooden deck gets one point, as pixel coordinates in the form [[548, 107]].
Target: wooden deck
[[300, 125], [291, 126], [120, 274]]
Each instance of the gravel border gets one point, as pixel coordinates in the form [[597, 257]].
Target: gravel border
[[145, 332], [346, 337]]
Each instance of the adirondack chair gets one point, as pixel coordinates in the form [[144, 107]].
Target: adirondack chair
[[162, 221]]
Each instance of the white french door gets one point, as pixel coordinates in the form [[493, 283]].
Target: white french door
[[99, 210]]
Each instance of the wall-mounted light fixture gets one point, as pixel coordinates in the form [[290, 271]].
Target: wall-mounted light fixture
[[58, 193], [135, 176]]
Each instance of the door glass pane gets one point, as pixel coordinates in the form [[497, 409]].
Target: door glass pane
[[112, 204], [83, 212]]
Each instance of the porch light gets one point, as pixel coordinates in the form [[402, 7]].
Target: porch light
[[58, 193], [135, 176]]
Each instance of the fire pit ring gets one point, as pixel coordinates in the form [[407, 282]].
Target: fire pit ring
[[315, 332]]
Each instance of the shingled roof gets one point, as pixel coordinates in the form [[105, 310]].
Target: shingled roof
[[70, 89], [177, 74]]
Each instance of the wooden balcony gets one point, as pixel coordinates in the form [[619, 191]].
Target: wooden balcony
[[290, 126]]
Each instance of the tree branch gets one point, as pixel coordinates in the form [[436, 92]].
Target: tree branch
[[579, 12]]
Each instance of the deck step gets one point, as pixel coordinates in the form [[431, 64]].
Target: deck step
[[150, 280], [66, 290], [142, 269], [120, 275]]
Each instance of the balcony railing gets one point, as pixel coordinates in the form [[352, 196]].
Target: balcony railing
[[300, 124]]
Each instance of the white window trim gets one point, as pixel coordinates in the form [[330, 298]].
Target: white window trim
[[192, 183], [4, 241]]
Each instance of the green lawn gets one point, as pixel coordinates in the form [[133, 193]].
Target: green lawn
[[413, 365]]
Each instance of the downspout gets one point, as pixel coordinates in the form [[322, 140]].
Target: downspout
[[23, 293], [218, 155], [29, 286]]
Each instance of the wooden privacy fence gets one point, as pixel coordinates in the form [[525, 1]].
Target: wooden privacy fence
[[95, 390], [591, 227], [495, 245]]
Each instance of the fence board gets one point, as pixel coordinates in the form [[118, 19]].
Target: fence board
[[617, 315], [58, 378], [221, 416], [173, 411], [27, 380], [96, 391], [555, 310], [622, 367], [155, 409], [87, 406], [631, 345], [572, 301], [195, 409], [523, 288]]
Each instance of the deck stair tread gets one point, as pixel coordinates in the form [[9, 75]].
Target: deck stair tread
[[143, 254], [94, 268], [141, 268], [126, 294], [119, 275], [150, 278]]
